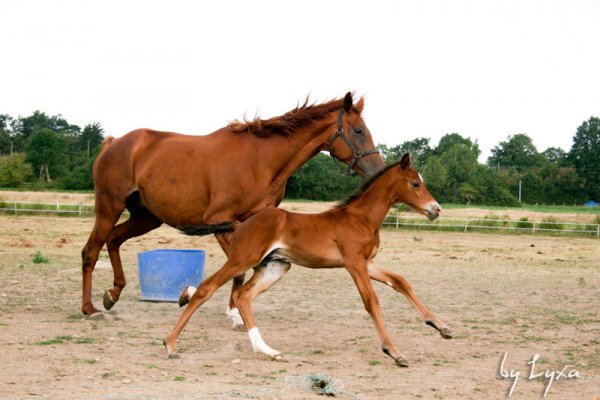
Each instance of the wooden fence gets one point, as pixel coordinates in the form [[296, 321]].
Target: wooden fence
[[391, 221]]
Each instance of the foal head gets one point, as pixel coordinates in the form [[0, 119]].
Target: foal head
[[411, 190], [352, 143]]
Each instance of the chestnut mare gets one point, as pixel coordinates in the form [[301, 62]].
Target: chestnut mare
[[205, 184], [346, 236]]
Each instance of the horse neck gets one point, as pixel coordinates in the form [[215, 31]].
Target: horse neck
[[297, 150], [375, 202]]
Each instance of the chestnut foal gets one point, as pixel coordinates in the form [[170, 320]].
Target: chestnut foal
[[345, 236]]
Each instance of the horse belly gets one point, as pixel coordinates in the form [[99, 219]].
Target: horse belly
[[329, 257]]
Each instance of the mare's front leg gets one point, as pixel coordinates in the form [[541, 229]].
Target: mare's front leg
[[357, 266], [398, 283]]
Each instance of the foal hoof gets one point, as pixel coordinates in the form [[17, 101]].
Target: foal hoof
[[446, 333], [239, 328], [279, 358], [401, 362], [107, 301], [97, 316], [171, 355], [186, 295]]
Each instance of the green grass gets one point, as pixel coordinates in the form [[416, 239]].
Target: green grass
[[558, 209], [39, 258]]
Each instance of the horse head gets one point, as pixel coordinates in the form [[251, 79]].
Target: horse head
[[411, 190], [352, 143]]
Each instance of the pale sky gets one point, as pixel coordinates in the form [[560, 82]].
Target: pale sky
[[484, 69]]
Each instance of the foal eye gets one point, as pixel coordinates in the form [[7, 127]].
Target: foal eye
[[358, 131], [416, 185]]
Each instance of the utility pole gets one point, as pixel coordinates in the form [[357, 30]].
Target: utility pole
[[88, 149], [519, 190]]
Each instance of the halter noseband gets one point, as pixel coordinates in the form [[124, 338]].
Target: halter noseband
[[356, 153]]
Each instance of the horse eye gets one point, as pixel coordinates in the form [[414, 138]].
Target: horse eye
[[416, 185], [358, 131]]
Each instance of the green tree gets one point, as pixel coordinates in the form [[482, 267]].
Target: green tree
[[47, 151], [517, 152], [321, 179], [418, 149], [585, 156], [14, 171]]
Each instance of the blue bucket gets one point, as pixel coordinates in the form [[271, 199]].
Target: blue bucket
[[164, 273]]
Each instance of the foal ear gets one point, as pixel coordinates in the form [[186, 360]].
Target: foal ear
[[405, 162], [348, 102]]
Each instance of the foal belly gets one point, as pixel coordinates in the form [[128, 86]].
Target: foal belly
[[330, 258]]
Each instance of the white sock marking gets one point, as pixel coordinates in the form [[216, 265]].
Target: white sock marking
[[259, 345]]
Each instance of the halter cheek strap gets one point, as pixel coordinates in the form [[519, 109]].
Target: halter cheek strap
[[356, 153]]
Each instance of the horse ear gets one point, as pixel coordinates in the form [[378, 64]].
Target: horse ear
[[360, 104], [348, 102], [405, 162]]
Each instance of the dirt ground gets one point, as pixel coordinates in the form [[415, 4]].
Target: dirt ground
[[500, 294]]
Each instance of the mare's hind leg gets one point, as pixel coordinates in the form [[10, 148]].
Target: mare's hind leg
[[264, 277], [203, 293], [106, 218], [398, 283], [140, 222]]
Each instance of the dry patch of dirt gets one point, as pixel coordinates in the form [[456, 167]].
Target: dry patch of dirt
[[520, 295]]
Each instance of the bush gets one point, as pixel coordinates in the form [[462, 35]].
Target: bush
[[524, 223], [14, 171], [550, 223]]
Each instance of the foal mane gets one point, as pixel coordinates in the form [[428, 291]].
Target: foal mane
[[366, 185], [286, 124]]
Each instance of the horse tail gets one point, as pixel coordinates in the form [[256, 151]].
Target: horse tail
[[106, 143]]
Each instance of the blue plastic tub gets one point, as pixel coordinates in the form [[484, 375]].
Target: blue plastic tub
[[164, 273]]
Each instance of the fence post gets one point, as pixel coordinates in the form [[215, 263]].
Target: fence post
[[598, 230], [396, 222], [16, 208], [466, 224], [533, 229], [57, 208], [79, 209]]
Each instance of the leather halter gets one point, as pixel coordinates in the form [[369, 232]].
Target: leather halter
[[356, 153]]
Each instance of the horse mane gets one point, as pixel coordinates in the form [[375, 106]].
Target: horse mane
[[286, 124], [366, 185]]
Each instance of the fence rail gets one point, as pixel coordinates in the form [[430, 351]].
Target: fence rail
[[395, 221], [482, 224]]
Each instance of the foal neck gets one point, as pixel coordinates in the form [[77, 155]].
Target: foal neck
[[375, 198]]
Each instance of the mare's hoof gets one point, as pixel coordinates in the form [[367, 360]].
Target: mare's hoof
[[108, 301], [446, 333], [401, 362], [279, 358], [173, 356]]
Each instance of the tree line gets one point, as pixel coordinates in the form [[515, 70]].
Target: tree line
[[453, 173], [46, 152]]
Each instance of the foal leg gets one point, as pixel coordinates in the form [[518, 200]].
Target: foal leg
[[263, 278], [202, 294], [358, 271], [398, 283], [232, 312], [140, 222]]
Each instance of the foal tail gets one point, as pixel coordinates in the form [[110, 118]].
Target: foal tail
[[106, 143]]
